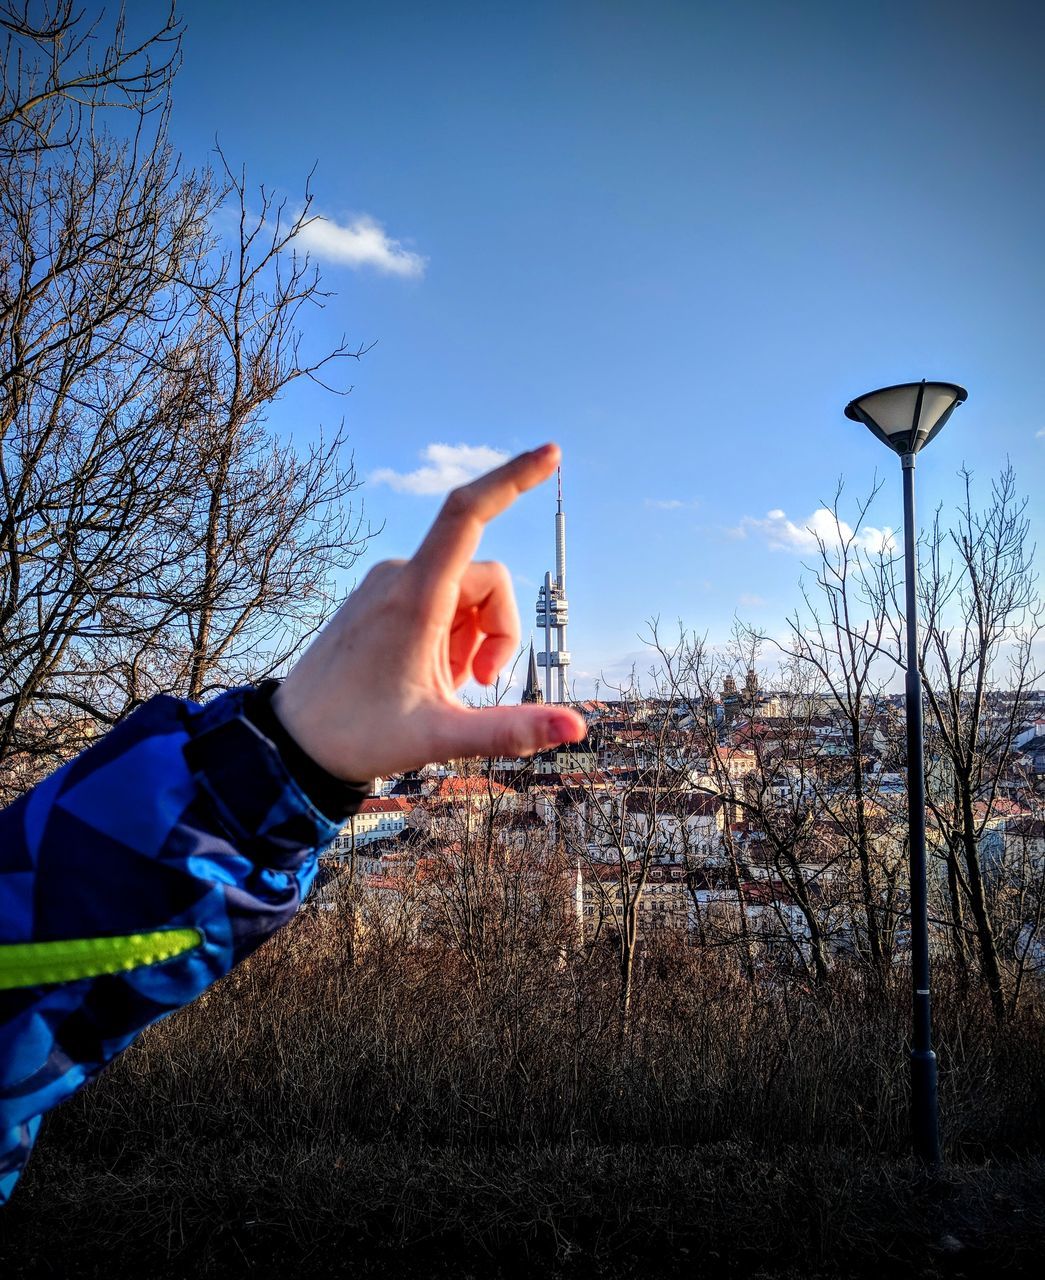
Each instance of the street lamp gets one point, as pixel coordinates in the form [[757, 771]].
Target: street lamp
[[906, 418]]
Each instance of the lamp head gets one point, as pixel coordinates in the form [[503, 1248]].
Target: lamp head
[[906, 417]]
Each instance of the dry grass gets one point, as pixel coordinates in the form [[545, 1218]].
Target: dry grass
[[399, 1113]]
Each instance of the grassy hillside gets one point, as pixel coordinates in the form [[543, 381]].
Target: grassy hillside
[[399, 1112]]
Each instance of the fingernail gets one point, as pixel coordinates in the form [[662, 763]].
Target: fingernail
[[561, 728]]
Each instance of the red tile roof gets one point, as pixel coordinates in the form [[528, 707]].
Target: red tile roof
[[449, 788], [384, 804]]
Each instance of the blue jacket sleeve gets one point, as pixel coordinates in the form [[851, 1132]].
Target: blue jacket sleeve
[[183, 818]]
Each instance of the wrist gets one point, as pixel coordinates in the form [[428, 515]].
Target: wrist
[[334, 796]]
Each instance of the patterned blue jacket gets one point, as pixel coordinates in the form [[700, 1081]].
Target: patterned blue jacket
[[132, 879]]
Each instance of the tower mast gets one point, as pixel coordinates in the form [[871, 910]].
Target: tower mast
[[560, 541], [553, 614]]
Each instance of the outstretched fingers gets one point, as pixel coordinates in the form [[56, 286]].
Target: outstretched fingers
[[453, 539]]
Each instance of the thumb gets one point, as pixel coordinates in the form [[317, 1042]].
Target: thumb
[[508, 731]]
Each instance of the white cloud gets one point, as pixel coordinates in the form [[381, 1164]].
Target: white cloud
[[747, 601], [363, 242], [447, 466], [668, 504], [783, 534], [1040, 435]]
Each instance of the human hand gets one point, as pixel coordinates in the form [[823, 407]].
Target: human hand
[[375, 692]]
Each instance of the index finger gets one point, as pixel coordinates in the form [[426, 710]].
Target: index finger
[[453, 539]]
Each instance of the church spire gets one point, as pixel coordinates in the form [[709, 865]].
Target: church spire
[[532, 692]]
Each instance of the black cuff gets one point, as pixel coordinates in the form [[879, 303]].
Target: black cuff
[[332, 796]]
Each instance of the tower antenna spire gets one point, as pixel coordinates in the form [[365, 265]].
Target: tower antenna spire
[[553, 612]]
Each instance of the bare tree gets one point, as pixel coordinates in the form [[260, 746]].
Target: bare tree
[[982, 616], [844, 639], [1015, 883], [650, 830], [263, 527], [700, 674], [760, 769], [613, 827], [490, 875], [104, 243], [153, 535], [59, 70]]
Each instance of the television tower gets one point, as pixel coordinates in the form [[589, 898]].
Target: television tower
[[553, 613]]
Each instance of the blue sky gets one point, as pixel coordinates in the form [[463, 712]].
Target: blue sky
[[675, 237]]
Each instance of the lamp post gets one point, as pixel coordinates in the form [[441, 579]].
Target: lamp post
[[906, 418]]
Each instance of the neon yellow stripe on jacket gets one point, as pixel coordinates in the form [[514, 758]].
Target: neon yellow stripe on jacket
[[33, 964]]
